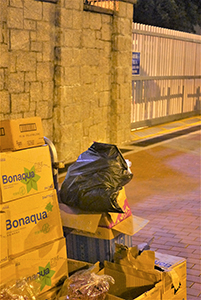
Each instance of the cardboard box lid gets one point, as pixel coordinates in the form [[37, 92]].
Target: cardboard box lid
[[74, 218], [118, 217], [131, 225]]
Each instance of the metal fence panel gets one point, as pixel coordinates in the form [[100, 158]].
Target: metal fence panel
[[169, 79]]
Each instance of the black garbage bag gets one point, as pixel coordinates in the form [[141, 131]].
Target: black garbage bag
[[93, 182]]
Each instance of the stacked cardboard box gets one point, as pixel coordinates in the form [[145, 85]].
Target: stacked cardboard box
[[149, 275], [32, 224], [156, 276], [92, 237], [32, 241]]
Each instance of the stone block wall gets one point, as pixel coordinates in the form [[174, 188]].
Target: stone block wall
[[27, 65], [69, 66]]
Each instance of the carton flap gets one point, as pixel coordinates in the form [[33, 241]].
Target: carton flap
[[131, 225], [110, 219], [120, 199], [132, 276], [131, 257], [77, 219]]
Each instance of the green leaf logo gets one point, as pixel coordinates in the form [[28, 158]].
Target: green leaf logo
[[49, 207], [45, 228], [30, 179], [45, 276]]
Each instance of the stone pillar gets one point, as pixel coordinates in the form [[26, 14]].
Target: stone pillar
[[4, 61], [67, 121], [121, 74]]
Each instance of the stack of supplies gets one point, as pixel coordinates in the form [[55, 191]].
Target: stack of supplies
[[32, 242]]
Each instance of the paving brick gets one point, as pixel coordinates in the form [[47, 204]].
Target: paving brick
[[194, 260], [192, 292], [196, 266], [189, 283], [194, 272], [192, 297], [170, 201], [193, 278]]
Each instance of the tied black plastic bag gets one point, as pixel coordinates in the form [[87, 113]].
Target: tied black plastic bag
[[93, 182]]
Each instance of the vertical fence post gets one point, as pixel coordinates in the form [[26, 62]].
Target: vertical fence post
[[168, 101], [182, 103], [198, 104]]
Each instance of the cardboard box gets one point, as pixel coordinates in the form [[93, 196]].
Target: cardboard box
[[48, 261], [32, 221], [131, 283], [7, 273], [100, 245], [92, 237], [174, 294], [174, 275], [25, 172], [171, 270], [88, 225], [3, 238], [92, 249], [21, 133], [73, 266], [103, 226], [76, 218]]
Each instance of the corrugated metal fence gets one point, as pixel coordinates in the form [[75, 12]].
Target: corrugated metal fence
[[166, 68]]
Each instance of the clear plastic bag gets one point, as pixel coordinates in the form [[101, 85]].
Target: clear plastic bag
[[20, 290], [84, 285]]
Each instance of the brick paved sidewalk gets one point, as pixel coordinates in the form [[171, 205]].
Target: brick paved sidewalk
[[165, 189]]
